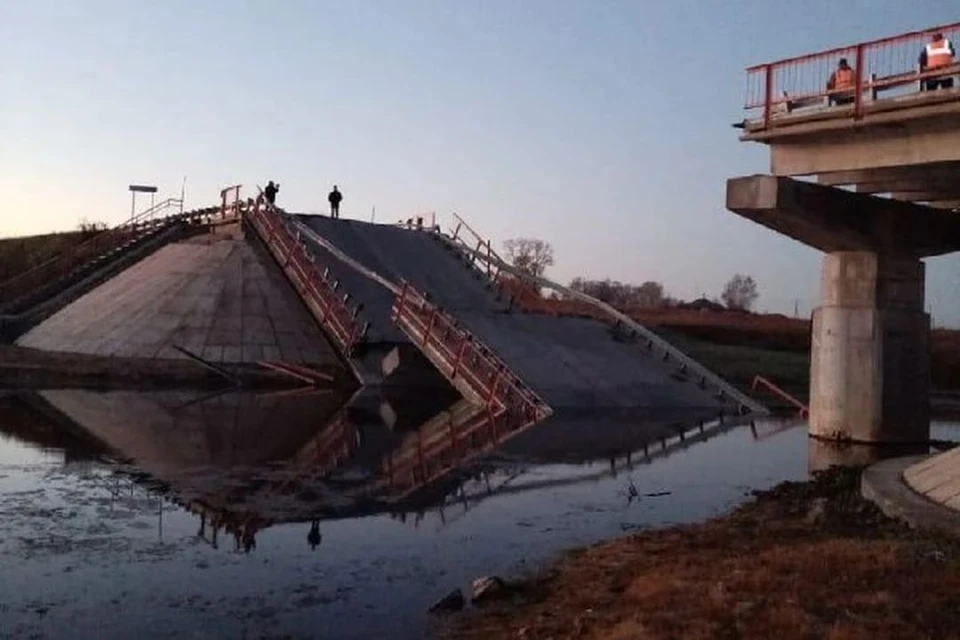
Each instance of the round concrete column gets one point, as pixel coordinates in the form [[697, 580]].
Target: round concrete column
[[870, 360]]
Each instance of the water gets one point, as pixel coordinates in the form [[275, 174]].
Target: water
[[91, 550]]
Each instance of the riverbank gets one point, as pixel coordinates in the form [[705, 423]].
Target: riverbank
[[801, 560]]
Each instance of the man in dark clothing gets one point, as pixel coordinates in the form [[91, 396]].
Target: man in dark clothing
[[334, 199], [271, 192]]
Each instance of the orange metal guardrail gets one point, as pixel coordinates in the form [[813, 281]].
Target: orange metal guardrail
[[524, 291], [759, 381], [318, 293], [460, 356], [888, 65]]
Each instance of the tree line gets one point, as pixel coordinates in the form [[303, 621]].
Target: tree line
[[532, 256]]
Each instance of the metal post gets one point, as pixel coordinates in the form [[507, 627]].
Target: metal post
[[858, 97], [768, 99], [433, 318], [459, 358]]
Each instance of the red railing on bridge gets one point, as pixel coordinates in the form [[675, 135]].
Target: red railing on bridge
[[884, 68], [759, 381], [463, 358], [320, 295]]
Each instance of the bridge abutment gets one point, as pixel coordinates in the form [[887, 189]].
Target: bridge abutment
[[870, 359]]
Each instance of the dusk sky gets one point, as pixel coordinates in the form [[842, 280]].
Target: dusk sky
[[600, 126]]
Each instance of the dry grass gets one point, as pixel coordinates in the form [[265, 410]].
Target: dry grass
[[20, 254], [765, 571]]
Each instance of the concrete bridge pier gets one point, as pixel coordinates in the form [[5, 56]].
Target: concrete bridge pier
[[870, 347], [870, 356]]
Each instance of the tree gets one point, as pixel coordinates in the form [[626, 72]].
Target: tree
[[87, 227], [649, 295], [529, 255], [740, 293]]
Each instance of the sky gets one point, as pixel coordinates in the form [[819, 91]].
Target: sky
[[601, 126]]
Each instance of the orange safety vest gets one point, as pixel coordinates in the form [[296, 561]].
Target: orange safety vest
[[939, 54], [843, 79]]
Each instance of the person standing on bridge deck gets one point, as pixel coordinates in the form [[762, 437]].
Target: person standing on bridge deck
[[938, 53], [841, 83], [270, 193], [334, 199]]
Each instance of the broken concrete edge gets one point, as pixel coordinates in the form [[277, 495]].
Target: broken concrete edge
[[882, 483], [832, 219]]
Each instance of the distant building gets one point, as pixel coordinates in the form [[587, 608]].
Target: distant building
[[702, 304]]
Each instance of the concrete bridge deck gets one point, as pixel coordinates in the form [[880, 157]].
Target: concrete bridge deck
[[570, 362], [212, 294]]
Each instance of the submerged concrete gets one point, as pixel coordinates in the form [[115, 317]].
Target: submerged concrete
[[214, 295]]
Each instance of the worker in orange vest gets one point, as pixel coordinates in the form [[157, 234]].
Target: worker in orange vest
[[841, 83], [938, 53]]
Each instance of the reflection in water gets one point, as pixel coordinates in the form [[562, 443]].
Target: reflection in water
[[248, 528], [243, 462]]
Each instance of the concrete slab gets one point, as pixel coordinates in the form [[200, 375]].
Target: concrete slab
[[938, 479], [883, 484], [219, 297], [832, 219], [570, 362]]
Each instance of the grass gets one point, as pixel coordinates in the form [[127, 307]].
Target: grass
[[775, 568], [20, 254]]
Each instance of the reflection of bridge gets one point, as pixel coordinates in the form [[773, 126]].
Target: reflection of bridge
[[221, 458]]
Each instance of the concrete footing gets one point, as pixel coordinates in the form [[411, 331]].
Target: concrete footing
[[870, 359], [883, 484]]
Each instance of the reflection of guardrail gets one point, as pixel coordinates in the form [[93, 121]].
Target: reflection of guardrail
[[330, 447], [316, 290], [487, 261], [759, 381], [879, 65]]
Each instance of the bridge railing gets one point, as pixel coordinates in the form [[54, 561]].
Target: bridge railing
[[462, 358], [314, 286], [573, 302], [885, 68]]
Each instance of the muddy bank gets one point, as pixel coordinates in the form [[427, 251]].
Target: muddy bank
[[23, 368], [801, 560]]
